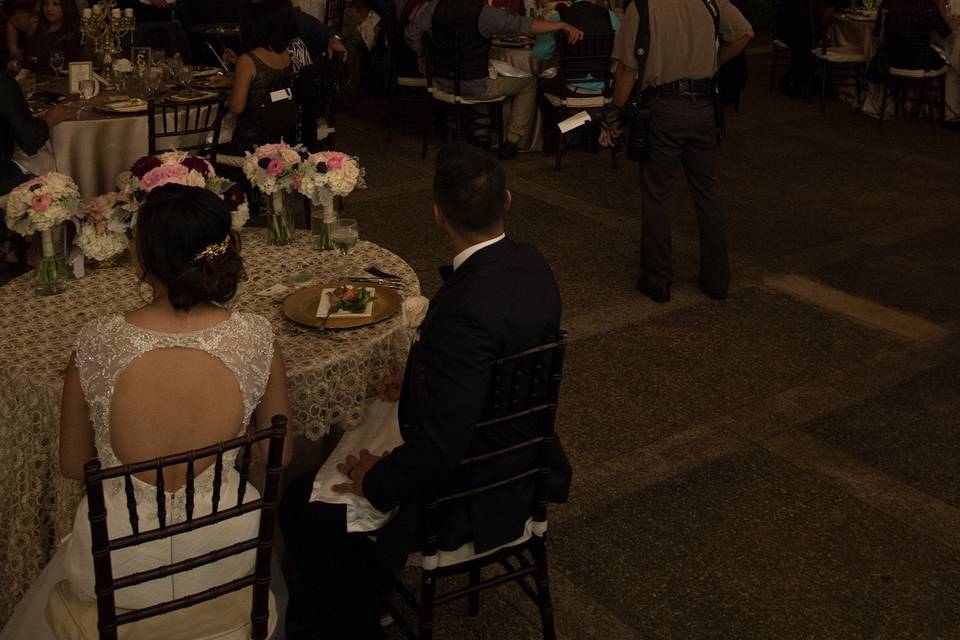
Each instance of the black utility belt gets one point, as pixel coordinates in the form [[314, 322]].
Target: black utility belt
[[704, 87]]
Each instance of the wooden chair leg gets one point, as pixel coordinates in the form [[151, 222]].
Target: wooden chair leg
[[498, 110], [823, 87], [542, 577], [428, 119], [858, 79], [561, 139], [883, 105], [391, 105], [473, 600], [773, 68], [428, 590]]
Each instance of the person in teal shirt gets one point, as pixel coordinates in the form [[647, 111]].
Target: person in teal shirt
[[546, 44]]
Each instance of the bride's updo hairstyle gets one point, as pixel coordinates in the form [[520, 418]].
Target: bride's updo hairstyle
[[184, 241]]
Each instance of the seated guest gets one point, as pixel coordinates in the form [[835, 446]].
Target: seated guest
[[913, 21], [797, 24], [406, 58], [58, 31], [18, 128], [588, 16], [471, 26], [177, 374], [20, 21], [263, 68], [498, 298]]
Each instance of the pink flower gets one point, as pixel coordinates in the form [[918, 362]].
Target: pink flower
[[275, 167], [296, 182], [41, 202], [165, 174], [101, 228], [334, 160]]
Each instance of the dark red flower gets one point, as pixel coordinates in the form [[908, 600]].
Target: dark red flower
[[139, 195], [197, 164], [321, 167], [234, 197], [143, 165], [264, 162]]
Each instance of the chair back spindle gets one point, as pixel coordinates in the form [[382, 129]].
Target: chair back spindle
[[189, 126]]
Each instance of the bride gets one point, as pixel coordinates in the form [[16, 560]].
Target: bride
[[179, 373]]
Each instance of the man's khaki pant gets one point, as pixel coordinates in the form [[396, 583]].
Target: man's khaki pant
[[524, 92]]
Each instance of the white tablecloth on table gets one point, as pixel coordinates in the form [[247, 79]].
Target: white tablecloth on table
[[330, 376], [848, 32]]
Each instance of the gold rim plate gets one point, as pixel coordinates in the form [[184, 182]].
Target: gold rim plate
[[301, 307]]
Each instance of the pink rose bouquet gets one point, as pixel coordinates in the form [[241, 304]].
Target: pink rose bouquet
[[101, 228], [273, 167], [41, 203]]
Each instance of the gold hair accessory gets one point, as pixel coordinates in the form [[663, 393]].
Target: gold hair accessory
[[213, 250]]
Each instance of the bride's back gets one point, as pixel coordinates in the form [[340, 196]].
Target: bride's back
[[172, 400]]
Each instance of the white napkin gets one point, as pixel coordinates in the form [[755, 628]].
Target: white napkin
[[414, 310], [574, 121], [506, 69], [368, 29]]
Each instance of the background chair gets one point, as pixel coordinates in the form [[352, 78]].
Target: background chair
[[523, 399], [409, 96], [906, 43], [838, 66], [315, 91], [587, 60], [66, 613], [779, 58], [447, 108], [186, 126], [333, 14]]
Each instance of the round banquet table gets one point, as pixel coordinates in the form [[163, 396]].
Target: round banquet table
[[853, 31], [96, 147], [330, 375]]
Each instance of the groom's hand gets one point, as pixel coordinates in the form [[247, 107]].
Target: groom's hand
[[391, 386], [355, 468]]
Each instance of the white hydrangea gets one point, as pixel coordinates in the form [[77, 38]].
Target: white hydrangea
[[100, 246]]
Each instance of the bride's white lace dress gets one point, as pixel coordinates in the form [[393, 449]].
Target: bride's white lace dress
[[105, 347]]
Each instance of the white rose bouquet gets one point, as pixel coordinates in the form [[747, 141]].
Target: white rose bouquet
[[274, 169], [324, 175], [101, 229], [37, 206]]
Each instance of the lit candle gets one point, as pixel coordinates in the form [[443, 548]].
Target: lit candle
[[115, 13], [128, 13], [87, 12]]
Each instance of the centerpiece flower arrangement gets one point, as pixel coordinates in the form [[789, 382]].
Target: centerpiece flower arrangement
[[274, 169], [37, 207], [177, 167], [323, 176], [101, 228]]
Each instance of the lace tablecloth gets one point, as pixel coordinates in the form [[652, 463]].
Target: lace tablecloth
[[330, 375]]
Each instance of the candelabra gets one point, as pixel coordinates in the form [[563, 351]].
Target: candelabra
[[104, 25]]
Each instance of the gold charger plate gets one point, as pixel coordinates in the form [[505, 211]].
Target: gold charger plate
[[301, 307]]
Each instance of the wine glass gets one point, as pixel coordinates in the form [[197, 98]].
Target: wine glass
[[87, 89], [152, 80], [345, 235], [29, 84], [56, 62], [185, 76], [119, 79]]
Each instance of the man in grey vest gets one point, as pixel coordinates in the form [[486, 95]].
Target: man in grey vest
[[470, 26], [679, 62]]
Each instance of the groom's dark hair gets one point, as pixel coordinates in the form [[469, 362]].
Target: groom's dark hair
[[185, 241], [469, 187]]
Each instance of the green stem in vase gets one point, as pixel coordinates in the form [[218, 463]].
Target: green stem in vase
[[278, 223]]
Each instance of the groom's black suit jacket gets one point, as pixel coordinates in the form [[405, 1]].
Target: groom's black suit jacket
[[502, 300]]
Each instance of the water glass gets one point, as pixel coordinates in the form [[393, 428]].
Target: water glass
[[29, 84], [185, 76], [120, 79], [87, 89], [152, 80], [345, 235], [56, 62]]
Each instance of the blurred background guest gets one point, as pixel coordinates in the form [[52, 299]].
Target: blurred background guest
[[57, 31], [913, 21], [20, 20], [407, 66], [797, 23]]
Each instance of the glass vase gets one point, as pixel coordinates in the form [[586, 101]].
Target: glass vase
[[51, 270], [323, 220], [280, 221]]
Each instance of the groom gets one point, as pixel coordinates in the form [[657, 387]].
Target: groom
[[498, 298]]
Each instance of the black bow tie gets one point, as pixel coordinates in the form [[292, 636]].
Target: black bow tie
[[446, 271]]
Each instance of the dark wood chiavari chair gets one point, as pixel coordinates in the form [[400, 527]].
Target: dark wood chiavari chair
[[587, 60], [333, 14], [906, 44], [838, 66], [109, 619], [525, 389], [186, 126], [779, 57], [446, 107]]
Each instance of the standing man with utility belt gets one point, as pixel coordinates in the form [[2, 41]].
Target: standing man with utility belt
[[672, 49]]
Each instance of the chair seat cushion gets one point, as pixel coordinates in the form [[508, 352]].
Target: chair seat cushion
[[917, 73], [780, 44], [449, 98], [467, 553], [223, 618], [841, 54], [404, 81], [583, 101]]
